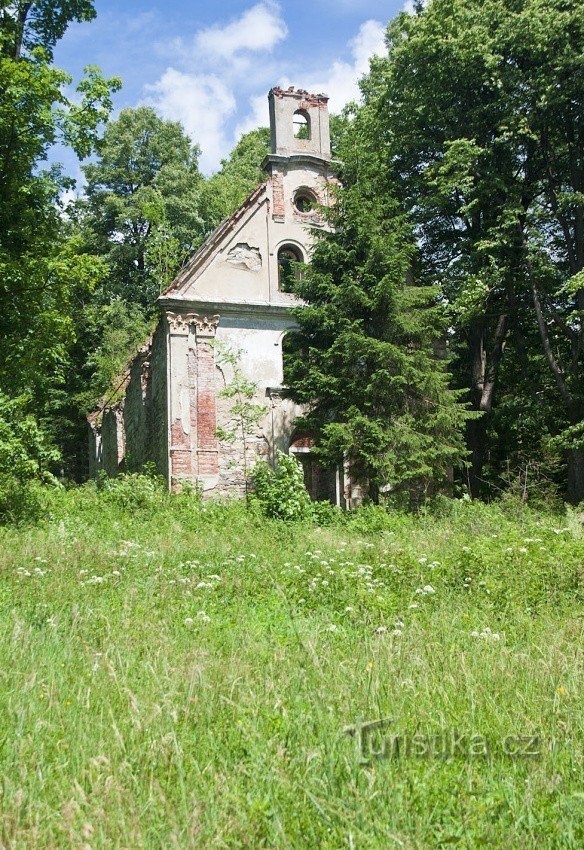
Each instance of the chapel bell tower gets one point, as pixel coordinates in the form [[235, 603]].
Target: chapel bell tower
[[299, 124]]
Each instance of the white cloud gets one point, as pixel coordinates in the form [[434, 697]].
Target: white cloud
[[225, 62], [216, 62], [257, 29], [202, 103], [341, 81], [258, 117]]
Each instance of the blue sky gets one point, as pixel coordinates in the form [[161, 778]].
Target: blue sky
[[210, 65]]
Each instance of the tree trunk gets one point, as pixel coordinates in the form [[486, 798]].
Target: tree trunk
[[575, 461], [485, 367], [476, 441]]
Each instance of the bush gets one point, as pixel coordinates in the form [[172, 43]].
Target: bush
[[133, 490], [25, 458], [280, 492]]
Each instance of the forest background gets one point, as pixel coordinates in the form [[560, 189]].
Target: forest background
[[444, 320]]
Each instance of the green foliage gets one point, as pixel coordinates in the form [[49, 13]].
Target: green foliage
[[24, 451], [25, 457], [43, 271], [133, 491], [240, 174], [25, 26], [280, 492], [140, 210], [471, 119], [112, 334], [364, 361]]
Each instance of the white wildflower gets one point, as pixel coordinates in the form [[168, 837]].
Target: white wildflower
[[486, 634]]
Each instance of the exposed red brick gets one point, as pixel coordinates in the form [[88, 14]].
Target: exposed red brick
[[207, 443], [181, 462], [181, 459], [178, 437], [278, 194]]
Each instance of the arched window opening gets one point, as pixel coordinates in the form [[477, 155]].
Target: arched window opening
[[301, 124], [289, 267], [305, 200]]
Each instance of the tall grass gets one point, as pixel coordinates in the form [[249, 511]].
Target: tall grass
[[182, 675]]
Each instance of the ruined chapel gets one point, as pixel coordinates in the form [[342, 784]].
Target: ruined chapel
[[230, 297]]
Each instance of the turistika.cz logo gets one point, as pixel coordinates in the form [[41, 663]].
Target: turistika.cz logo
[[375, 740]]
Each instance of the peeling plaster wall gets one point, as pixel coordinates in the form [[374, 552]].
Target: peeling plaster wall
[[113, 440], [134, 431], [136, 414], [257, 342], [158, 430], [145, 408]]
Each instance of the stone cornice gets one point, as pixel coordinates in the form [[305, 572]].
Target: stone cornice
[[182, 310], [300, 159]]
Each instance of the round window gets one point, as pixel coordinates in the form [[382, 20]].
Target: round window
[[305, 201]]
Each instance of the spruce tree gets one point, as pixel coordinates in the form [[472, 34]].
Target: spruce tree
[[366, 359]]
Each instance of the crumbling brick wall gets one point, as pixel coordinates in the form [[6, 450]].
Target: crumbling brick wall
[[132, 432]]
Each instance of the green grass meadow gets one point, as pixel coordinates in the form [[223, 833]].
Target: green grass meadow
[[177, 675]]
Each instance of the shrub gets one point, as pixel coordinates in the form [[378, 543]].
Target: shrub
[[25, 458], [280, 492], [327, 514], [133, 490]]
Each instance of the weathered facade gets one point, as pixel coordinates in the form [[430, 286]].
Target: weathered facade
[[229, 299]]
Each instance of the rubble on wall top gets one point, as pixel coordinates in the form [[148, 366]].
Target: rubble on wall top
[[278, 91]]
